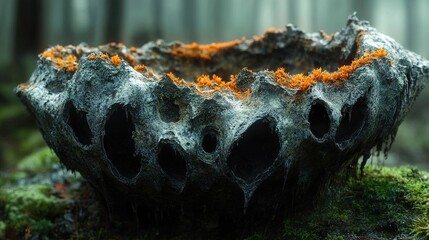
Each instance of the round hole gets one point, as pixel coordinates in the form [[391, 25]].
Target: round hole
[[254, 151], [319, 120], [171, 161], [168, 110], [209, 142], [352, 120]]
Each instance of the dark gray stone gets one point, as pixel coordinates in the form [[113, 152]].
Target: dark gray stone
[[157, 148]]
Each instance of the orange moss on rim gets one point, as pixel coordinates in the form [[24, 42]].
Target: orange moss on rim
[[130, 59], [115, 60], [91, 56], [62, 57], [206, 52], [118, 45], [25, 86], [140, 67], [206, 85], [303, 82], [145, 71], [327, 36]]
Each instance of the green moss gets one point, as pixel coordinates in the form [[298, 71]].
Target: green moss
[[2, 229], [30, 206], [10, 112], [38, 162], [385, 203]]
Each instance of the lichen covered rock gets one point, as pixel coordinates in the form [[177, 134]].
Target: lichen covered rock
[[225, 132]]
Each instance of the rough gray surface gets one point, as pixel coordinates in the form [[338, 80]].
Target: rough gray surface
[[157, 148]]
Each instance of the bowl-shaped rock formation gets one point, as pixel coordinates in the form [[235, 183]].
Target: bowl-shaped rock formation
[[227, 131]]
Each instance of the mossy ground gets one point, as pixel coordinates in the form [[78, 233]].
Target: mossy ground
[[386, 203], [39, 200]]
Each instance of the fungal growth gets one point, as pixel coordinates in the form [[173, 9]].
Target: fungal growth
[[180, 134]]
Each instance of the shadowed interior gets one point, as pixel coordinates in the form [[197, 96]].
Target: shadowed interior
[[209, 142], [79, 124], [171, 161], [352, 120], [119, 143], [255, 150], [319, 120], [168, 110], [295, 56]]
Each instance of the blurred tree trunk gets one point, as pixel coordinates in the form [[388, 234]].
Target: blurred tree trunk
[[189, 20], [67, 21], [157, 15], [292, 12], [27, 28], [412, 23], [218, 18], [7, 20], [114, 10]]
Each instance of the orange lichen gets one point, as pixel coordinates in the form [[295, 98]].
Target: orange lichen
[[206, 52], [327, 37], [25, 86], [62, 57], [145, 71], [359, 38], [215, 82], [130, 59], [140, 67], [303, 82], [115, 60], [273, 30], [206, 85], [175, 79], [104, 56]]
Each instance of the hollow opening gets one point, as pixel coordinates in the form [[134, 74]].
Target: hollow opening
[[352, 120], [226, 59], [171, 161], [319, 120], [254, 151], [119, 143], [168, 110], [209, 142], [79, 124]]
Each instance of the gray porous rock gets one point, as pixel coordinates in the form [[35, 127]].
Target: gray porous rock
[[160, 140]]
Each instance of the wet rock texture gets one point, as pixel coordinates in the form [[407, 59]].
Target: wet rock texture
[[224, 133]]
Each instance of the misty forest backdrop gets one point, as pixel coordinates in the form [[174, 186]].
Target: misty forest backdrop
[[28, 27]]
